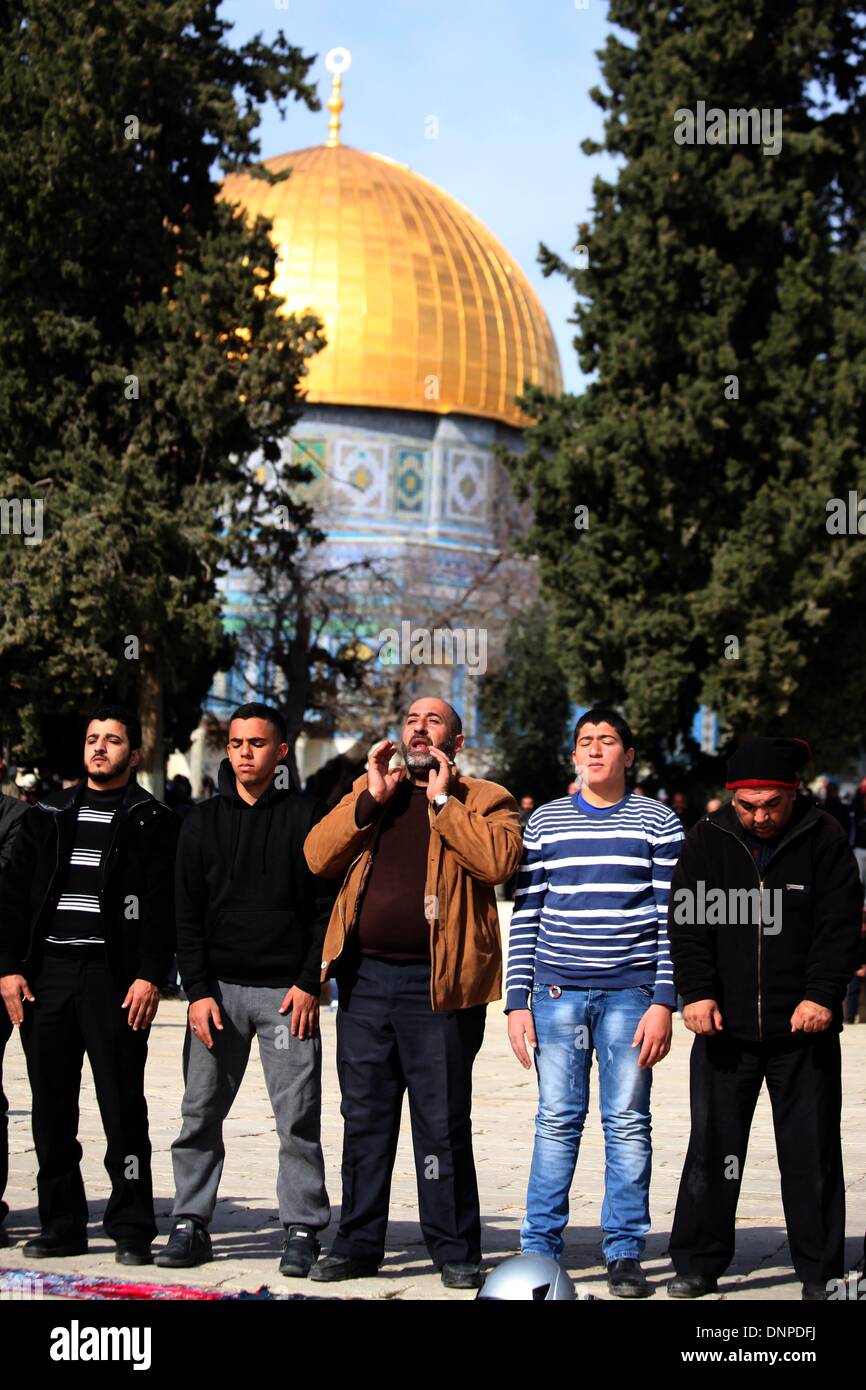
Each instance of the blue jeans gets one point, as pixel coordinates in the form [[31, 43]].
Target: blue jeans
[[568, 1030]]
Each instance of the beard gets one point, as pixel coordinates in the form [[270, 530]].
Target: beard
[[107, 774], [420, 760]]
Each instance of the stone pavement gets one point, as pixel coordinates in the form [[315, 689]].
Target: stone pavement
[[246, 1230]]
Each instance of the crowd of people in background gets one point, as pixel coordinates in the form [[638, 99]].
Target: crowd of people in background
[[31, 784]]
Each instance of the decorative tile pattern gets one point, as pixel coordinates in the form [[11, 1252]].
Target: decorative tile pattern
[[359, 481], [411, 482], [466, 486], [309, 453]]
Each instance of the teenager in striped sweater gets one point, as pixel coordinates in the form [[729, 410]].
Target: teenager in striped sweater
[[589, 971]]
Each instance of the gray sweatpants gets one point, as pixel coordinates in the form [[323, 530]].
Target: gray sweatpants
[[293, 1075]]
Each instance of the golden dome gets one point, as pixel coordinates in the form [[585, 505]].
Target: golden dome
[[423, 308]]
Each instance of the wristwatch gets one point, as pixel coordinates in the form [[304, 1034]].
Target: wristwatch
[[439, 801]]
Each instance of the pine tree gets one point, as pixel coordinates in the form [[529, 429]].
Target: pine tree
[[142, 360], [526, 709], [720, 317]]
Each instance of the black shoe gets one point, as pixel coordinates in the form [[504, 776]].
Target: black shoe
[[815, 1293], [457, 1274], [334, 1267], [300, 1252], [47, 1246], [188, 1245], [690, 1286], [133, 1252], [626, 1279]]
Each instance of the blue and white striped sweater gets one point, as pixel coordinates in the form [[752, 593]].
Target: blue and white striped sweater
[[592, 898]]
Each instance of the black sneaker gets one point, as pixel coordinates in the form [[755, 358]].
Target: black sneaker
[[815, 1293], [188, 1245], [48, 1246], [300, 1252], [334, 1267], [458, 1274], [691, 1286], [626, 1279], [133, 1252]]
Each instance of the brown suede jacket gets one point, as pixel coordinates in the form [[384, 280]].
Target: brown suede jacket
[[475, 843]]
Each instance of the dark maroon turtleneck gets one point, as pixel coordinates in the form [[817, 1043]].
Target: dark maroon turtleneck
[[391, 921]]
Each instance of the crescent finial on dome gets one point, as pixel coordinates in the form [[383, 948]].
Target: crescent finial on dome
[[337, 61]]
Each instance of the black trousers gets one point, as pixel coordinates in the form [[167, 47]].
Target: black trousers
[[803, 1076], [5, 1034], [78, 1010], [390, 1041]]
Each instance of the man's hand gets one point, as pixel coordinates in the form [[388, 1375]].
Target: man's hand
[[653, 1035], [305, 1012], [439, 782], [201, 1015], [521, 1035], [142, 1000], [704, 1016], [382, 784], [810, 1018], [15, 989]]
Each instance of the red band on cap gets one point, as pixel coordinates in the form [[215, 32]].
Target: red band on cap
[[760, 782]]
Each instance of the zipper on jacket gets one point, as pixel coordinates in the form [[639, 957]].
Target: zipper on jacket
[[431, 815], [51, 883], [361, 886], [760, 934], [747, 851], [786, 840]]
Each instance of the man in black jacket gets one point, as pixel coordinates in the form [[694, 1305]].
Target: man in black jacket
[[86, 936], [764, 920], [11, 811], [251, 923]]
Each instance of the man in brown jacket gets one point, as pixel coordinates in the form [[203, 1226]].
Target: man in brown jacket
[[414, 944]]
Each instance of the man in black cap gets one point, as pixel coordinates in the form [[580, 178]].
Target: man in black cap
[[764, 921]]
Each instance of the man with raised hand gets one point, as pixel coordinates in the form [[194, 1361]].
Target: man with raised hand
[[86, 937], [764, 926], [251, 920], [589, 971], [414, 943]]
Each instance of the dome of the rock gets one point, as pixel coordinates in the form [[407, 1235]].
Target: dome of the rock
[[422, 307]]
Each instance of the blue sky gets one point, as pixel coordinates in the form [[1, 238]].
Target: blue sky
[[508, 87]]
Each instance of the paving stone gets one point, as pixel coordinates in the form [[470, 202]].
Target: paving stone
[[246, 1232]]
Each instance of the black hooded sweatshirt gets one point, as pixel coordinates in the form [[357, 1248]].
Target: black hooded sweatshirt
[[248, 909], [757, 977]]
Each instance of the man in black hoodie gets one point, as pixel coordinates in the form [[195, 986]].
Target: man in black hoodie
[[251, 922], [764, 921]]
